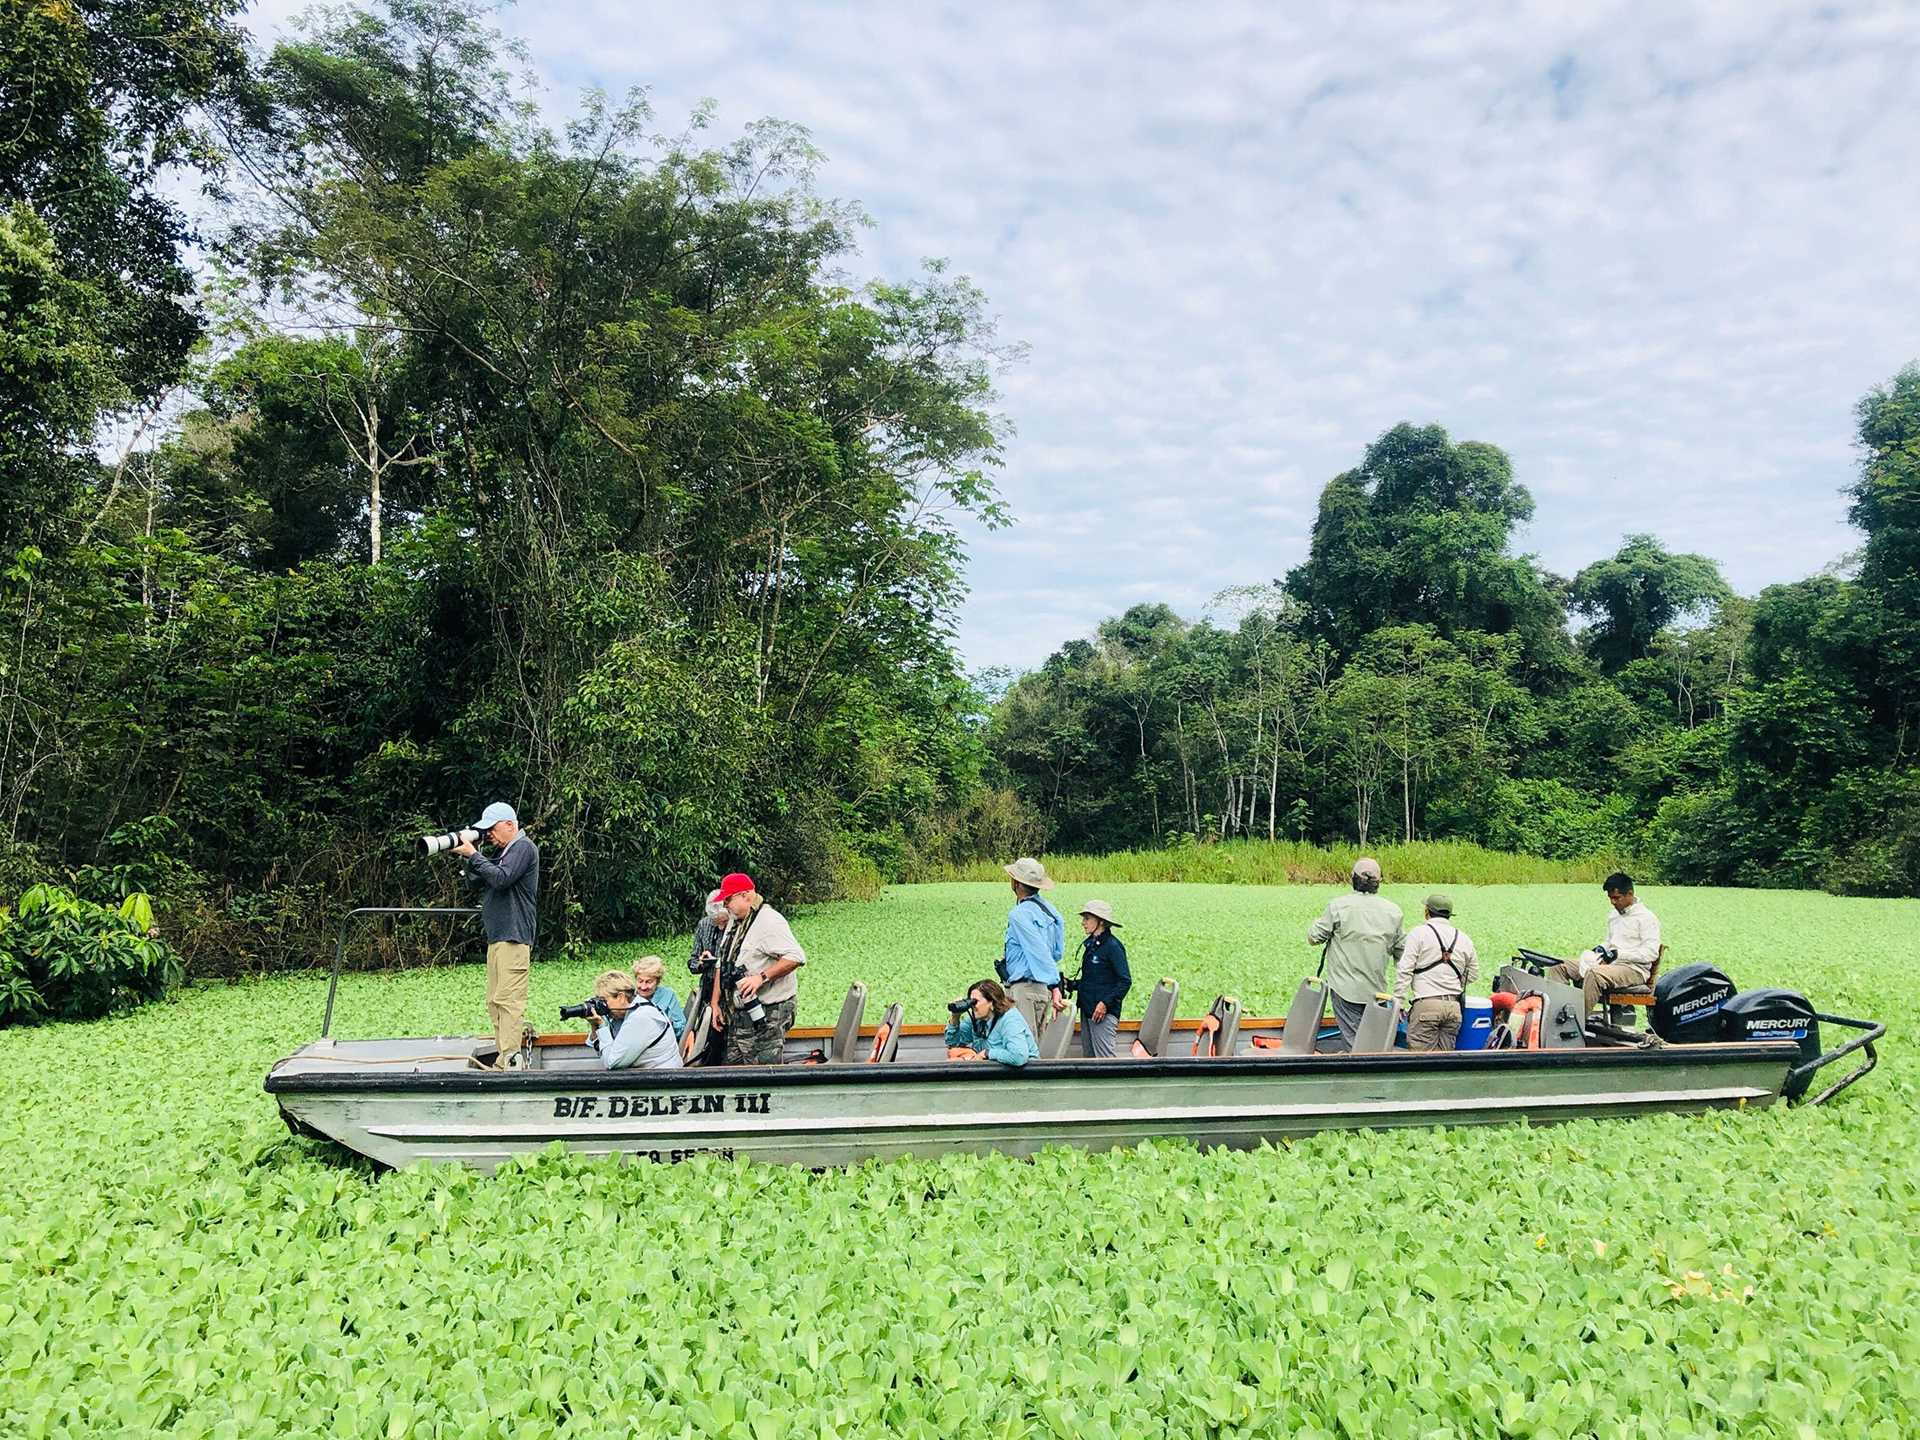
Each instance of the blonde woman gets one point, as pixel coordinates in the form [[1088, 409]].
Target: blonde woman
[[649, 984], [635, 1036]]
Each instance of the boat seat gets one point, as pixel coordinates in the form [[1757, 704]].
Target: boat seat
[[1057, 1036], [1302, 1031], [1219, 1033], [1377, 1027], [1637, 994], [846, 1034], [886, 1038], [1157, 1020]]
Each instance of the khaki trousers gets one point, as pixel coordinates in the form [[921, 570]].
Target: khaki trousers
[[1035, 1002], [1433, 1025], [508, 969], [1600, 978]]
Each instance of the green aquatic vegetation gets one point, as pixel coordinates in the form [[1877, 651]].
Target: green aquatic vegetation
[[171, 1261]]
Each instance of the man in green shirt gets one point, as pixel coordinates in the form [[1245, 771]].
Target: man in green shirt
[[1363, 934]]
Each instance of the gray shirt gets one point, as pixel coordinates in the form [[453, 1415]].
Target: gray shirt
[[512, 884], [1363, 936]]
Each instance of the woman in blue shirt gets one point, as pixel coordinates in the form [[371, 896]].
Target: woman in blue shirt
[[649, 982], [991, 1029]]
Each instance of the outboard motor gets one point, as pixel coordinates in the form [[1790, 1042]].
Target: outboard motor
[[1687, 1003], [1774, 1015]]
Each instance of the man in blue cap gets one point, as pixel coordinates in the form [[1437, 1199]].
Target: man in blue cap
[[507, 909]]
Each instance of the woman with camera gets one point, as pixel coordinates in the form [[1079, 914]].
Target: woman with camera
[[988, 1026], [649, 984], [637, 1034]]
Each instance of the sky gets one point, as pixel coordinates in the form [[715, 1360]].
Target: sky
[[1656, 253]]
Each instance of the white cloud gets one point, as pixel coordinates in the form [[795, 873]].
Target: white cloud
[[1656, 252]]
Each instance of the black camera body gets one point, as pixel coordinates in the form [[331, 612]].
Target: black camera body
[[1069, 984], [591, 1006]]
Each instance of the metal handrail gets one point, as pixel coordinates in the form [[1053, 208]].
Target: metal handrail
[[1875, 1030], [340, 947]]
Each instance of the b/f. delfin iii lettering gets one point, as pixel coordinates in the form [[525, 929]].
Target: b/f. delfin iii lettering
[[622, 1107]]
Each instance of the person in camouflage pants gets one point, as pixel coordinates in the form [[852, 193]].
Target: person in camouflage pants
[[760, 941], [751, 1044]]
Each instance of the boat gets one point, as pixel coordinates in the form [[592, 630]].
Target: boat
[[852, 1092]]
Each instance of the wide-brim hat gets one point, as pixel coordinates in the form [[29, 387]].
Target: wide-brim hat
[[1029, 872], [1100, 910]]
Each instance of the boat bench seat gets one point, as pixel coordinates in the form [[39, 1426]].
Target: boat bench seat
[[846, 1034], [1057, 1036], [1156, 1020], [886, 1038], [1219, 1033], [1636, 994]]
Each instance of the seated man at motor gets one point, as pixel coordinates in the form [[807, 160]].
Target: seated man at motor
[[1626, 960], [637, 1034], [989, 1026], [1436, 967], [649, 983]]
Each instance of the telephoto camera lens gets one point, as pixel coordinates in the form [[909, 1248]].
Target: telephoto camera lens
[[440, 844]]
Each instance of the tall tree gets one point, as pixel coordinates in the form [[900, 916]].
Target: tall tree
[[1637, 593]]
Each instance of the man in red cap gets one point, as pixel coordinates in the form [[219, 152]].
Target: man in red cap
[[759, 940]]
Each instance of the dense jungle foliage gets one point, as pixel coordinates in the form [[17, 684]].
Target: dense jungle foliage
[[459, 458], [1415, 680]]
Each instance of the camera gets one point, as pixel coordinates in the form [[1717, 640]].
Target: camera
[[959, 1007], [591, 1006], [1069, 984], [440, 844]]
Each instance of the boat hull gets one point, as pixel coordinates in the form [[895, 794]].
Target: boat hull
[[830, 1115]]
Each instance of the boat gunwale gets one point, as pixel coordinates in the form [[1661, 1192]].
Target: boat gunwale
[[786, 1076]]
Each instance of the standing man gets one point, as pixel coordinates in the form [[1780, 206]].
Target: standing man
[[1104, 980], [1362, 933], [1437, 965], [508, 911], [1633, 944], [758, 938], [1036, 939]]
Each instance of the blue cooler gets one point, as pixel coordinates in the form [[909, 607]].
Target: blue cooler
[[1476, 1024]]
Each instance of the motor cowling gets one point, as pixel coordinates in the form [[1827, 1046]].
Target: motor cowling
[[1687, 1003], [1774, 1015]]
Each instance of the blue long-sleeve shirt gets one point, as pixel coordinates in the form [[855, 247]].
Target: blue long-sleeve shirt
[[508, 909], [670, 1006], [1036, 939], [1007, 1039]]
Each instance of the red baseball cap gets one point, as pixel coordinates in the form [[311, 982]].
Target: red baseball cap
[[734, 884]]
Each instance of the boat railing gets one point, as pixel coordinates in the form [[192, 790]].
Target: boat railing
[[346, 924], [1800, 1074]]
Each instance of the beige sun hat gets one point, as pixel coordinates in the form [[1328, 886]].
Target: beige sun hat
[[1366, 866], [1029, 871], [1100, 910]]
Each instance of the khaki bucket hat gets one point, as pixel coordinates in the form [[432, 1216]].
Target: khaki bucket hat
[[1029, 871], [1100, 910]]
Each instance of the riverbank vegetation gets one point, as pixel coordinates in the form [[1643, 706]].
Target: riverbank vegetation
[[488, 459]]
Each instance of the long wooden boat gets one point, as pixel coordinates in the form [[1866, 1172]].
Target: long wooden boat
[[401, 1101]]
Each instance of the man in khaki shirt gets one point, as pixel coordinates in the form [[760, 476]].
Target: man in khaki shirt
[[1437, 965], [1633, 944], [1362, 932], [760, 940]]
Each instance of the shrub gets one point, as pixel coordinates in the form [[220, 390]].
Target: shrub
[[62, 957]]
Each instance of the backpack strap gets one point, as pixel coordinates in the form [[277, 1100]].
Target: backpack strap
[[1446, 958]]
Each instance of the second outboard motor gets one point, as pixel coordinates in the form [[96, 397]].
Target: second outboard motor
[[1687, 1004], [1774, 1015]]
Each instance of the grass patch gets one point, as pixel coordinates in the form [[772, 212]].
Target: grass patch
[[1295, 862], [170, 1260]]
